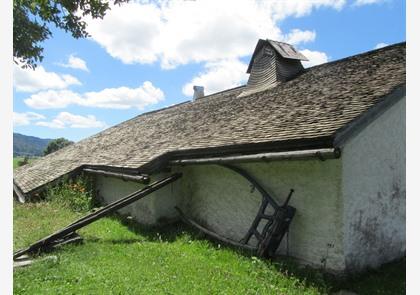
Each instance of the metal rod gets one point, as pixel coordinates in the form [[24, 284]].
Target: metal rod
[[288, 198], [254, 182], [213, 234], [123, 176], [322, 154], [137, 195], [266, 199]]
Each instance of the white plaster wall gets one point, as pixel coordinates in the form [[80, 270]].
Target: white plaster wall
[[224, 202], [374, 191], [155, 209]]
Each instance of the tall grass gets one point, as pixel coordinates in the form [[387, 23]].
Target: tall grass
[[76, 194], [119, 256]]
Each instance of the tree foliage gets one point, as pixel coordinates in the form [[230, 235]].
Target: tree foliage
[[32, 20], [56, 144], [23, 162]]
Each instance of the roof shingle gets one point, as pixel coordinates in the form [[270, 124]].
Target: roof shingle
[[310, 108]]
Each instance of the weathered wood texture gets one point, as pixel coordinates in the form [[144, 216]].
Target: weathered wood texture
[[308, 108]]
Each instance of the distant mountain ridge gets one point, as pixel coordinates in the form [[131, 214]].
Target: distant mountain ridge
[[24, 145]]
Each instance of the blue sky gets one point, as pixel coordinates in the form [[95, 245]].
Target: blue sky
[[146, 55]]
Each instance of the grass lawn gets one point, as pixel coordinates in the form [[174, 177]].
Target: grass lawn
[[119, 257], [17, 159]]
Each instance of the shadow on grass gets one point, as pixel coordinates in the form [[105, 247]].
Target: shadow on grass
[[165, 233], [113, 241], [389, 279], [170, 232]]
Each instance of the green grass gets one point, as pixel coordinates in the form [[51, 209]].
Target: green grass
[[120, 257], [17, 159]]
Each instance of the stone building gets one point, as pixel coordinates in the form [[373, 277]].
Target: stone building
[[334, 133]]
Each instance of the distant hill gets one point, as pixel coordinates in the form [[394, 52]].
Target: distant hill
[[24, 145]]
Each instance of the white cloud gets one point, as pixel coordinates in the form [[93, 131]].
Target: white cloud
[[53, 99], [367, 2], [286, 8], [113, 98], [218, 76], [175, 33], [124, 97], [75, 62], [380, 45], [297, 36], [21, 119], [28, 80], [180, 32], [137, 25], [315, 57], [68, 120], [206, 31]]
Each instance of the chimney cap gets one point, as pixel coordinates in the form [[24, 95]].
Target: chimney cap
[[198, 88], [198, 92]]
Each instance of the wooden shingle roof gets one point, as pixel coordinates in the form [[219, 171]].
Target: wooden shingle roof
[[305, 112]]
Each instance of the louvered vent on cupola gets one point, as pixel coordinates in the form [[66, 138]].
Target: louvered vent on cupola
[[272, 63]]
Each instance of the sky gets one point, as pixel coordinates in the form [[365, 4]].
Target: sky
[[146, 55]]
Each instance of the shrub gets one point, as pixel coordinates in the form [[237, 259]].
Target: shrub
[[22, 162], [76, 194]]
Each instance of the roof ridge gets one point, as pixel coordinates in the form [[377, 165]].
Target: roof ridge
[[178, 104], [369, 52], [222, 91], [320, 65], [161, 109]]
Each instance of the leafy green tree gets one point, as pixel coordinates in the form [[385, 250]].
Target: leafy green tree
[[56, 144], [31, 20], [23, 162]]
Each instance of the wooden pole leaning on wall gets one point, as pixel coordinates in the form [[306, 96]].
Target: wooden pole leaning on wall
[[67, 231]]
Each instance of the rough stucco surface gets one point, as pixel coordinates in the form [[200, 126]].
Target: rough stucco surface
[[225, 202], [156, 208], [374, 191]]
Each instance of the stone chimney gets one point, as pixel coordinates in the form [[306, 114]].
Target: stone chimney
[[198, 92], [272, 63]]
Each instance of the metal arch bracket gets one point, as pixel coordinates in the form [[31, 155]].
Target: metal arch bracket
[[277, 223], [275, 228]]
